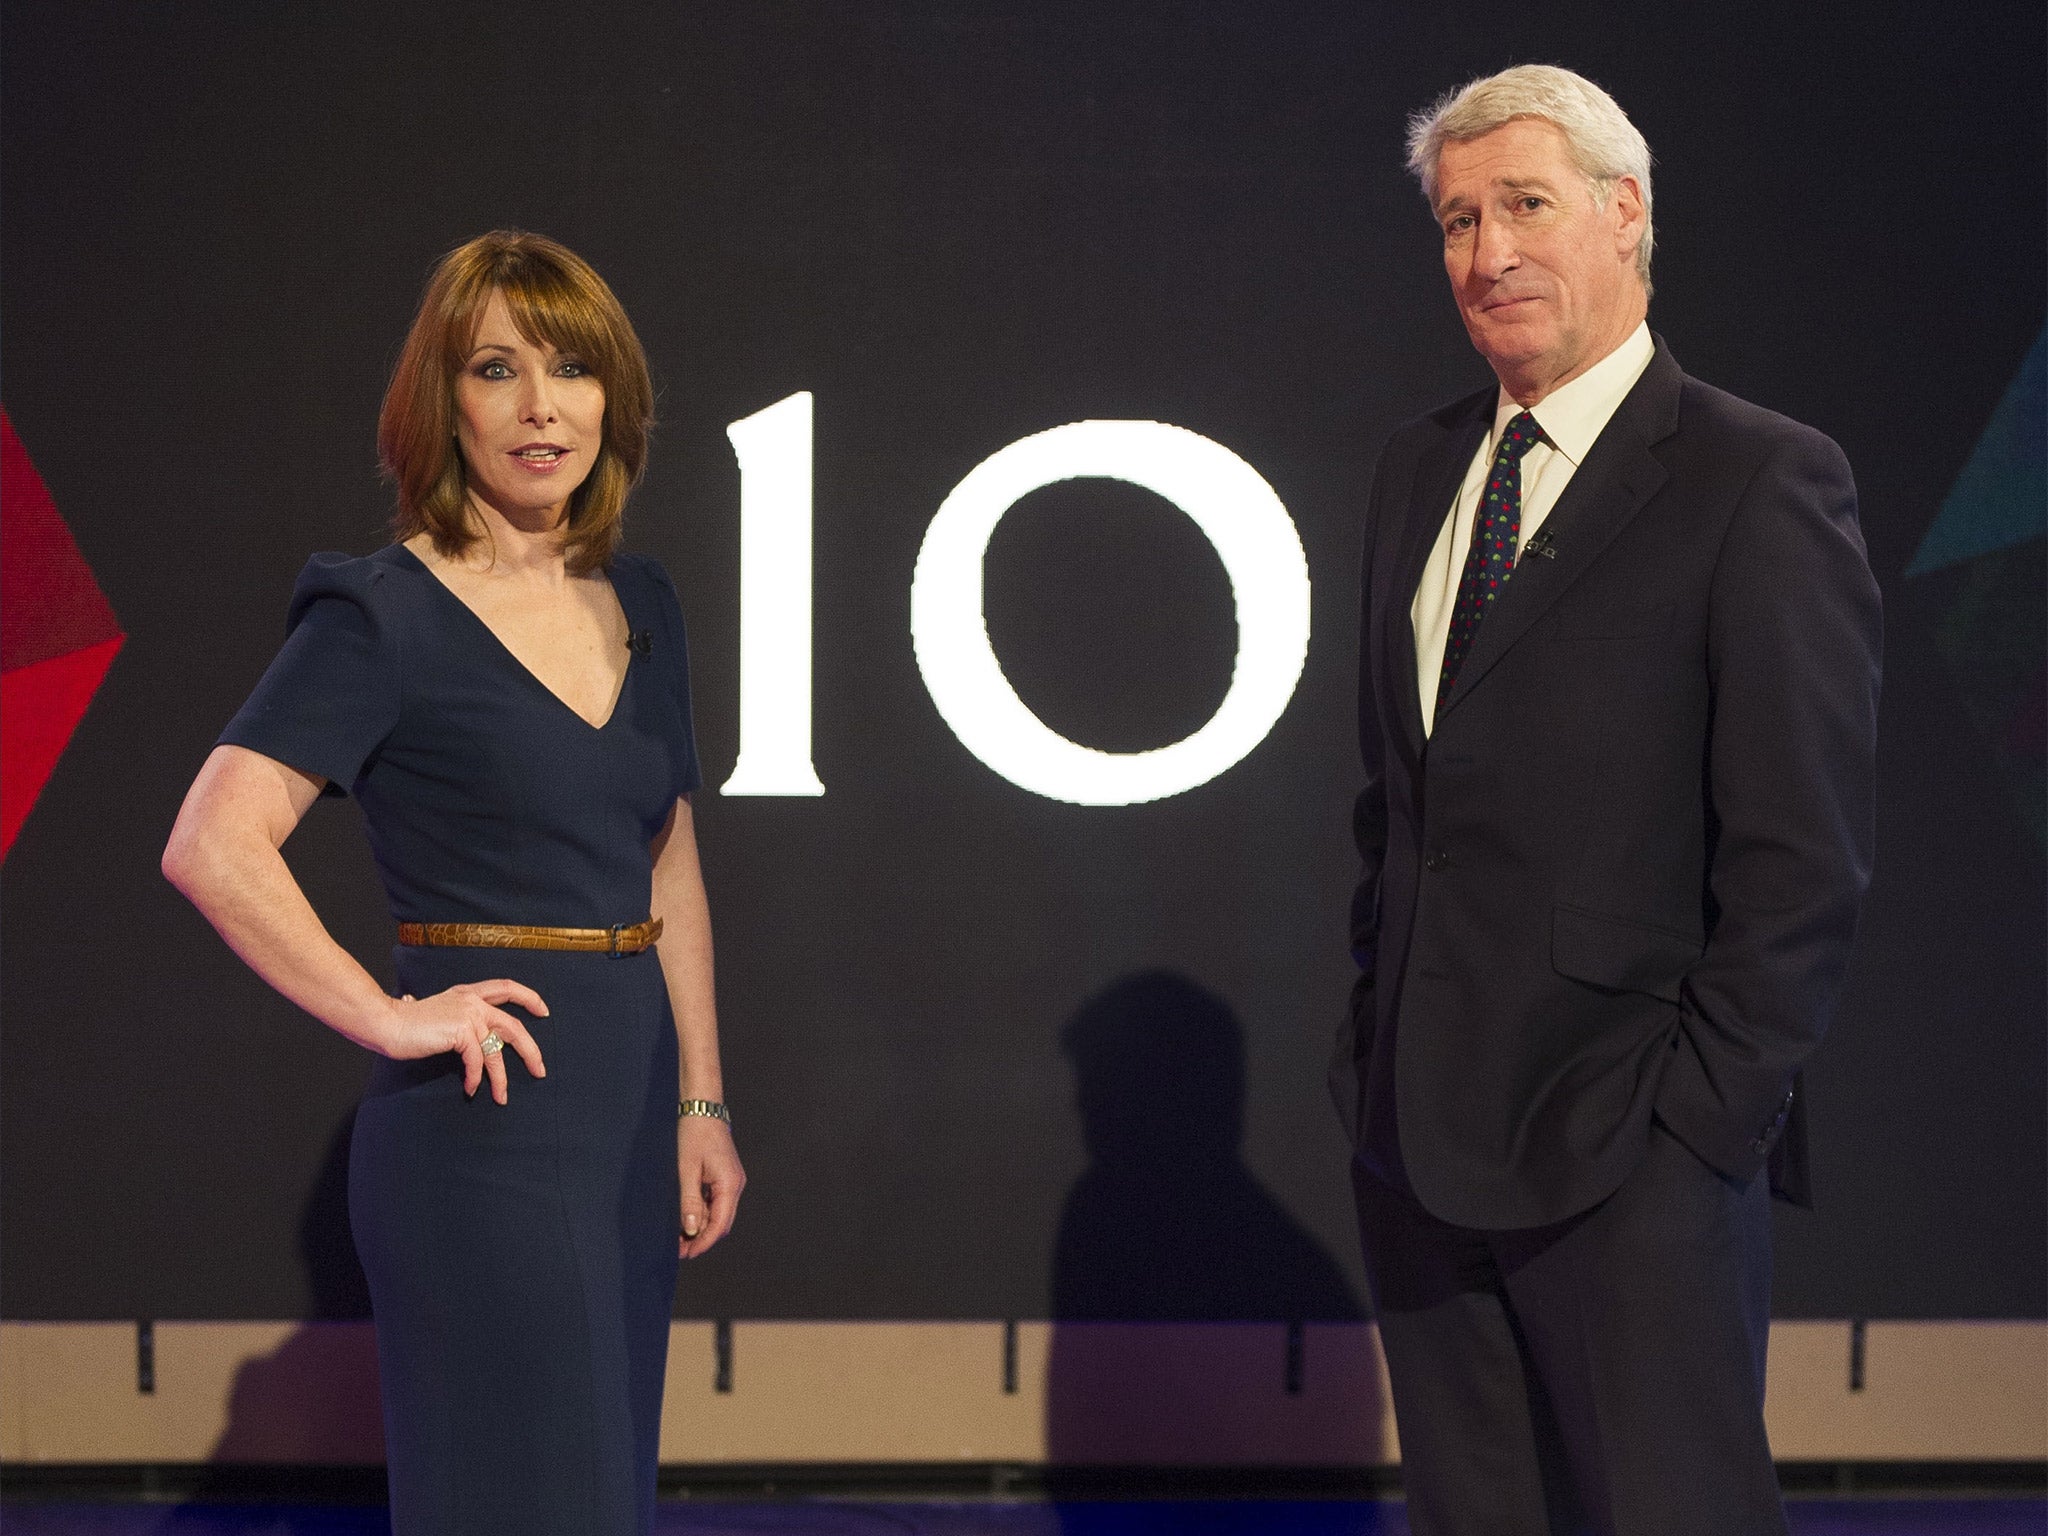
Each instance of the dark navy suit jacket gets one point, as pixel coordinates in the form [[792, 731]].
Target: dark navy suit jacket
[[1620, 879]]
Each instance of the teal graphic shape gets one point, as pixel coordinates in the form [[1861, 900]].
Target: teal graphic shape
[[2001, 497], [1989, 546]]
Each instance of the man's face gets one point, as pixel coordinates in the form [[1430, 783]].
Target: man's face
[[1544, 277]]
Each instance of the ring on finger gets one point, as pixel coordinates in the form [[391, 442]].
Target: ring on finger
[[492, 1044]]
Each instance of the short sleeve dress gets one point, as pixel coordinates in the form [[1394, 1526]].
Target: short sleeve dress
[[521, 1258]]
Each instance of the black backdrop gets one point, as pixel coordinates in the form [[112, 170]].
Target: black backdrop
[[981, 1043]]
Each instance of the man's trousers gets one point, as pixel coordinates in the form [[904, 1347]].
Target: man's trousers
[[1604, 1374]]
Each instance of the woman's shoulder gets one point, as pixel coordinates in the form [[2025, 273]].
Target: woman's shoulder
[[643, 568], [643, 577], [651, 577], [368, 582]]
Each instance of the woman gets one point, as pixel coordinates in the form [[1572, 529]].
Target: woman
[[506, 694]]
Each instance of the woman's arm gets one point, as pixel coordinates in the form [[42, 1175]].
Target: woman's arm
[[223, 855], [709, 1163]]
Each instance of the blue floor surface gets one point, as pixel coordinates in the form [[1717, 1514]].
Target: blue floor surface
[[1919, 1517]]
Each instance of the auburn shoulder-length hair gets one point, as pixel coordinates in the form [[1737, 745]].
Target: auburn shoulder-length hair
[[556, 299]]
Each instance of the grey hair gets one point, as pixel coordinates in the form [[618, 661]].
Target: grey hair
[[1602, 142]]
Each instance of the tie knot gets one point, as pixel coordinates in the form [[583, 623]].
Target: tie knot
[[1520, 435]]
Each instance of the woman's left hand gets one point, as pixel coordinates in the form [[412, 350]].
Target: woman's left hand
[[712, 1181]]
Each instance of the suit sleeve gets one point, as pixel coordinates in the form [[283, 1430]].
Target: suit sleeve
[[1369, 834], [1793, 664], [1369, 810]]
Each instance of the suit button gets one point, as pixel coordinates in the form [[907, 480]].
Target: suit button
[[1436, 859]]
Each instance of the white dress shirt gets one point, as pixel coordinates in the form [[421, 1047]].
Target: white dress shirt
[[1571, 417]]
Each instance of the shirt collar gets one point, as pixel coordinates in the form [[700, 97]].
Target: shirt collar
[[1574, 414]]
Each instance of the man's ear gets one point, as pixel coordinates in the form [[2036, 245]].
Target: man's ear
[[1627, 203]]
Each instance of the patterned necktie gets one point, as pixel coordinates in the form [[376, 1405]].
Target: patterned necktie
[[1490, 560]]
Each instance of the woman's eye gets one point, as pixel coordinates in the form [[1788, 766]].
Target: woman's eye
[[571, 369], [494, 369]]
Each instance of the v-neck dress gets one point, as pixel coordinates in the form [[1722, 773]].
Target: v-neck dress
[[521, 1257]]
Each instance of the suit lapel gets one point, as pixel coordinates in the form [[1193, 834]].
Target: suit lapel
[[1437, 478], [1619, 475]]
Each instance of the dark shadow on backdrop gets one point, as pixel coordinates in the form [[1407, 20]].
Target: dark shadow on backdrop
[[314, 1397], [327, 1248], [1167, 1225]]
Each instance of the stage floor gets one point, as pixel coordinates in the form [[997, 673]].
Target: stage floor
[[1245, 1517]]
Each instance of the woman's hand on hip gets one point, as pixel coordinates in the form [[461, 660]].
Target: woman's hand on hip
[[712, 1181], [466, 1019]]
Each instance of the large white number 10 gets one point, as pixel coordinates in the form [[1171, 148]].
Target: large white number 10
[[1225, 497]]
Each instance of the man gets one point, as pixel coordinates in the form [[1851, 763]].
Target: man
[[1617, 698]]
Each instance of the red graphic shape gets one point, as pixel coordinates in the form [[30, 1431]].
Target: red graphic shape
[[40, 706], [58, 635]]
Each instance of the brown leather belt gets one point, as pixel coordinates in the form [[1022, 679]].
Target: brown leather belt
[[619, 939]]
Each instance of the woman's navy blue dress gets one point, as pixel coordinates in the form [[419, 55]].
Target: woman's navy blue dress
[[521, 1258]]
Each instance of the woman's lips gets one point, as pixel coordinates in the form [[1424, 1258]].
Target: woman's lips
[[540, 459]]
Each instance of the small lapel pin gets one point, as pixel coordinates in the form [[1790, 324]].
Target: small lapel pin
[[1540, 546]]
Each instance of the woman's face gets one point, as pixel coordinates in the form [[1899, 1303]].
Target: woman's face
[[529, 421]]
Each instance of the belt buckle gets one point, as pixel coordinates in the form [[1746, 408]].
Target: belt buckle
[[615, 931]]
